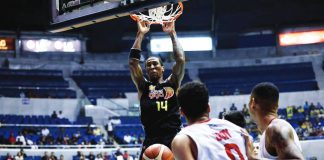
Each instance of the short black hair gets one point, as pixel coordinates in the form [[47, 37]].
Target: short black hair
[[266, 94], [160, 60], [236, 117], [193, 99]]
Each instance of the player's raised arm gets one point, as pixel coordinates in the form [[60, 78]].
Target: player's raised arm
[[281, 139], [135, 55], [178, 53]]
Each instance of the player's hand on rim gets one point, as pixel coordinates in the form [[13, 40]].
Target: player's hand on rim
[[168, 27], [143, 27]]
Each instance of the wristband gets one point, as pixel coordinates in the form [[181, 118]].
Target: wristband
[[135, 53]]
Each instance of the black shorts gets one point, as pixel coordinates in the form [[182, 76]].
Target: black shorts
[[166, 140]]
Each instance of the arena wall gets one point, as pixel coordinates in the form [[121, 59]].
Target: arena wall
[[37, 106]]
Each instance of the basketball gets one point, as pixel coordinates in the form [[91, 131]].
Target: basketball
[[158, 152]]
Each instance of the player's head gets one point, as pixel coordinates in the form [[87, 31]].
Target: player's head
[[236, 117], [193, 100], [264, 99], [154, 68]]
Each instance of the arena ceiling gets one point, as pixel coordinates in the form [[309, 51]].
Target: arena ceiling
[[227, 18]]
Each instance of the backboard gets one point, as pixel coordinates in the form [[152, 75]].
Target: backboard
[[70, 14]]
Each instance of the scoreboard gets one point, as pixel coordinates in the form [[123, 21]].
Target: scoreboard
[[69, 5], [71, 14]]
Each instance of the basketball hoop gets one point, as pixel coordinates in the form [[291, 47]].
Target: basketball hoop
[[160, 15]]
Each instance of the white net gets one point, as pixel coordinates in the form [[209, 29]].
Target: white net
[[161, 14]]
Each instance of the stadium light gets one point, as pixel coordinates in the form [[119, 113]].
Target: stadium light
[[306, 37], [164, 44]]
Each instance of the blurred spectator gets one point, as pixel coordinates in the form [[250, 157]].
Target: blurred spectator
[[316, 132], [118, 154], [320, 109], [22, 152], [306, 133], [306, 107], [45, 132], [92, 156], [66, 139], [29, 142], [79, 153], [110, 140], [317, 122], [245, 110], [105, 156], [77, 135], [319, 106], [141, 138], [12, 139], [295, 111], [99, 157], [54, 115], [290, 112], [307, 125], [101, 142], [52, 156], [61, 157], [299, 131], [89, 130], [125, 155], [97, 131], [20, 139], [312, 107], [9, 157], [137, 155], [315, 112], [134, 139], [60, 116], [50, 140], [236, 117], [221, 114], [19, 156], [233, 107], [83, 157], [93, 141], [22, 94], [45, 156], [301, 110], [127, 138], [110, 127]]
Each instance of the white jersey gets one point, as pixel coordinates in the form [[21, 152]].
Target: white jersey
[[217, 139], [263, 153]]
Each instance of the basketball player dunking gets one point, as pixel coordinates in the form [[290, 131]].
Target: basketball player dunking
[[205, 138], [279, 139], [159, 108]]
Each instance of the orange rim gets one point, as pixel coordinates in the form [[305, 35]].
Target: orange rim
[[136, 18]]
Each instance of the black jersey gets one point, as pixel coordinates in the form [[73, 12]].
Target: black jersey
[[159, 109]]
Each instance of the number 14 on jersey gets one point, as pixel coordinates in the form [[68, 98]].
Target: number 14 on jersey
[[162, 105]]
